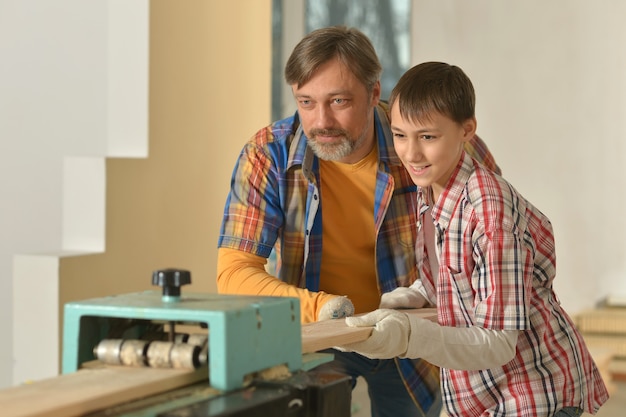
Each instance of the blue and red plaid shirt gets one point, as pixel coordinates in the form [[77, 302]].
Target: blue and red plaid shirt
[[273, 209]]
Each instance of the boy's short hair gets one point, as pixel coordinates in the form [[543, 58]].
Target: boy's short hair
[[347, 44], [434, 87]]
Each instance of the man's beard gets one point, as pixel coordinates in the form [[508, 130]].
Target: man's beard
[[338, 150]]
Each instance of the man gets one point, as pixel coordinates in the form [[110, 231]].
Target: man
[[325, 192]]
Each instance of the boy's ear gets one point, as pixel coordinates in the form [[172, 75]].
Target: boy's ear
[[469, 129]]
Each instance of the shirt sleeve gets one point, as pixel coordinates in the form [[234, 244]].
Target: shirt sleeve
[[252, 216], [503, 255], [460, 348], [240, 272]]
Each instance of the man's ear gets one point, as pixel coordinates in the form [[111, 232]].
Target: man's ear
[[375, 94], [469, 129]]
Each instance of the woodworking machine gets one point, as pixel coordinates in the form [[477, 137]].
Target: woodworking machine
[[241, 344]]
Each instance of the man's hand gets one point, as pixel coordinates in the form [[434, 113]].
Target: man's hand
[[403, 297], [336, 308], [389, 337]]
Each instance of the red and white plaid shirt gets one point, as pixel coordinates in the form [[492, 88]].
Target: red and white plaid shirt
[[496, 267]]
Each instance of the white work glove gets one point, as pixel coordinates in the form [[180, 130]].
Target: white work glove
[[336, 308], [403, 297], [462, 348], [408, 336], [389, 337]]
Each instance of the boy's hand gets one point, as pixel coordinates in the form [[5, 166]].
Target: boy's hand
[[403, 297], [389, 337]]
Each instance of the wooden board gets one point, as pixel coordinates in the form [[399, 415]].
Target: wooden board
[[92, 389], [328, 333]]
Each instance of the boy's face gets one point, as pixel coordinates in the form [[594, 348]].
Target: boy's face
[[430, 150], [337, 112]]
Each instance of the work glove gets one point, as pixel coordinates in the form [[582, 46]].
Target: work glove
[[403, 297], [336, 308], [389, 338], [406, 336]]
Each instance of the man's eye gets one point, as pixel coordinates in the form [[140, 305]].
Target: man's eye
[[339, 100]]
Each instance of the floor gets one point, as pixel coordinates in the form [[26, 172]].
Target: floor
[[614, 407]]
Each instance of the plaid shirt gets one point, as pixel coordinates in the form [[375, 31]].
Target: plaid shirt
[[497, 264], [273, 208]]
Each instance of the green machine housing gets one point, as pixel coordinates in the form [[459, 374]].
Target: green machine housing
[[246, 334]]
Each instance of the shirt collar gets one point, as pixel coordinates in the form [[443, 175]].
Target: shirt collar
[[442, 211]]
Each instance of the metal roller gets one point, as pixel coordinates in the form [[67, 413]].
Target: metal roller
[[156, 354], [173, 355], [185, 356], [129, 352], [108, 351], [181, 338], [201, 340], [133, 352], [198, 339]]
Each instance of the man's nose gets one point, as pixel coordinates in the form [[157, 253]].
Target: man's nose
[[324, 117]]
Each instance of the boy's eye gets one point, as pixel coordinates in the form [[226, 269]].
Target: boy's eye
[[428, 137]]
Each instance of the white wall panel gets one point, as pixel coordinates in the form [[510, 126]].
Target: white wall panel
[[73, 84]]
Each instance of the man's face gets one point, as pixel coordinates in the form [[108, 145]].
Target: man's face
[[337, 113]]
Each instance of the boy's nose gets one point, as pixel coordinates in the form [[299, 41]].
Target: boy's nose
[[414, 150]]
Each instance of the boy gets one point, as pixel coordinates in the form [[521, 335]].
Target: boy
[[487, 260]]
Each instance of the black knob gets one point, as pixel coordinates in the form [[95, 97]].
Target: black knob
[[171, 280]]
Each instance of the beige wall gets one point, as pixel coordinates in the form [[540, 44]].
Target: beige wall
[[210, 68], [550, 103]]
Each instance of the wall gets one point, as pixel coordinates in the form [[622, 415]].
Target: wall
[[52, 87], [551, 100], [207, 92]]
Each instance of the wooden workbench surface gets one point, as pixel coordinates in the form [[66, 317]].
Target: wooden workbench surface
[[92, 389], [98, 387]]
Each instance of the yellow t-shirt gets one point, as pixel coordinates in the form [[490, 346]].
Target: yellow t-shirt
[[349, 237], [348, 261]]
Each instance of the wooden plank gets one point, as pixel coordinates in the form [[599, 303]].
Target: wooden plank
[[328, 333], [92, 389]]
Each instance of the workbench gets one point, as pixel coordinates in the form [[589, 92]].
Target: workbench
[[257, 359]]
